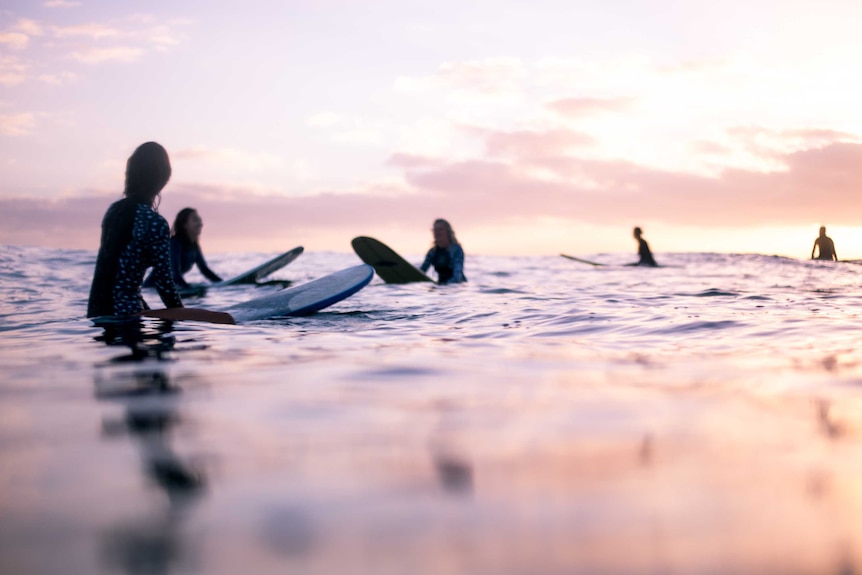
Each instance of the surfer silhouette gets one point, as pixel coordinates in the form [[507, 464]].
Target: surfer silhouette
[[825, 246], [134, 237], [446, 256], [644, 252], [186, 249]]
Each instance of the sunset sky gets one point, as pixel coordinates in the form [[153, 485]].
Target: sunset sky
[[534, 127]]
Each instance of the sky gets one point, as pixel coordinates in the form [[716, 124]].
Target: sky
[[534, 127]]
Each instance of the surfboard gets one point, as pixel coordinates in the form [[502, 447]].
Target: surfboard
[[306, 298], [392, 268], [573, 258], [255, 274], [300, 300]]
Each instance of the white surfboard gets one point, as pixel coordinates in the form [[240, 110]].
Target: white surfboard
[[301, 300], [306, 298]]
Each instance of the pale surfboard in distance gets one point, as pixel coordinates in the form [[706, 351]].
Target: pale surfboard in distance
[[631, 265], [263, 270], [583, 261]]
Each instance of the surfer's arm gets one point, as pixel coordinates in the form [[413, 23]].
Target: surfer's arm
[[457, 258], [427, 263], [162, 258], [205, 270], [814, 247]]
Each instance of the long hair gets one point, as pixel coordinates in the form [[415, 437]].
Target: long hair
[[179, 227], [147, 172], [449, 231]]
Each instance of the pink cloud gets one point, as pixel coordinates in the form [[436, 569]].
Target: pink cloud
[[17, 124], [101, 55], [12, 70], [533, 143], [585, 107], [711, 148], [818, 185], [809, 135]]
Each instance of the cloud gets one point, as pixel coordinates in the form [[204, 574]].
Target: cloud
[[101, 55], [17, 36], [17, 124], [577, 108], [523, 144], [13, 71], [14, 40], [47, 47], [93, 31], [57, 79], [490, 76], [818, 185], [61, 4], [324, 120], [231, 159]]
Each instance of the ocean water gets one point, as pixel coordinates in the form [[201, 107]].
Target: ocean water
[[546, 417]]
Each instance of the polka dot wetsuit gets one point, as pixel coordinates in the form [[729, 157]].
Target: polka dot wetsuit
[[134, 237]]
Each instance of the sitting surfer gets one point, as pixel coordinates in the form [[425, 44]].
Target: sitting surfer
[[135, 237], [644, 253], [446, 256], [826, 247], [186, 250]]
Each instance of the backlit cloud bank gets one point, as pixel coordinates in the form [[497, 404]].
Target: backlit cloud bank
[[821, 184], [533, 128]]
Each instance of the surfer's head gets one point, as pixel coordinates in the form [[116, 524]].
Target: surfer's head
[[147, 172], [822, 231], [188, 225], [638, 233], [444, 235]]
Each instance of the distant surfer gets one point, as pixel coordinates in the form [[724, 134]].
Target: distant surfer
[[135, 237], [186, 250], [644, 252], [446, 256], [826, 247]]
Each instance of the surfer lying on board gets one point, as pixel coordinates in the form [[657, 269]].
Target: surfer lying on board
[[826, 245], [446, 256], [186, 249], [644, 252], [135, 237]]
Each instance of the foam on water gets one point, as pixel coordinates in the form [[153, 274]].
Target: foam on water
[[547, 417]]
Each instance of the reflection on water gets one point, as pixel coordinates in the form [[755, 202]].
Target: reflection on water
[[153, 543]]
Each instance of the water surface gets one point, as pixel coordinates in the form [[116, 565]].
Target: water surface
[[546, 417]]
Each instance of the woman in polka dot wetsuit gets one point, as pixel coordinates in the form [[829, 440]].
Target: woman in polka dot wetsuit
[[135, 237]]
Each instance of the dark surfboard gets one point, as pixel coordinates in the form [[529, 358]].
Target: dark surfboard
[[392, 268]]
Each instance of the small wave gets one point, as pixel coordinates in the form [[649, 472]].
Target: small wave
[[699, 326], [712, 292]]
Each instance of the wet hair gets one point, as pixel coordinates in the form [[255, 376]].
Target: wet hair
[[822, 229], [179, 227], [147, 172], [638, 231], [449, 231]]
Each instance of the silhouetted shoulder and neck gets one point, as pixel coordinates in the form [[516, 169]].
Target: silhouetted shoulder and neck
[[644, 254], [446, 256], [135, 237], [824, 246]]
